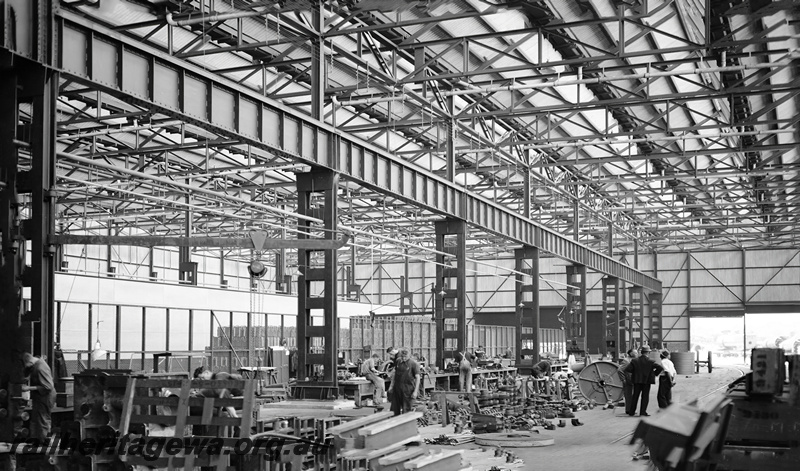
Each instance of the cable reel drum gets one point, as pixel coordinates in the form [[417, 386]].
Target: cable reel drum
[[601, 382]]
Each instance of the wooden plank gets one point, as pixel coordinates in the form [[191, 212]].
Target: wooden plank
[[360, 422], [444, 460], [363, 454], [247, 410], [390, 423], [390, 435], [127, 406], [188, 462], [222, 462], [400, 456], [197, 401], [208, 410], [196, 383], [311, 404], [183, 409], [191, 420], [153, 419]]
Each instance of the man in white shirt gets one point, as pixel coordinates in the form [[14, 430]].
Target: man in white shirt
[[369, 371], [665, 381]]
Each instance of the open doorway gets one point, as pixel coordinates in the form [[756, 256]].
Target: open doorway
[[773, 330], [722, 336]]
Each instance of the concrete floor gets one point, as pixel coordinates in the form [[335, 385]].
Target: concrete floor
[[603, 442]]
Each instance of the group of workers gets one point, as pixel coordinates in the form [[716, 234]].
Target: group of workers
[[639, 372]]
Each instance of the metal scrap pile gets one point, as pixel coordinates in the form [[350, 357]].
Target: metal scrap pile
[[453, 440]]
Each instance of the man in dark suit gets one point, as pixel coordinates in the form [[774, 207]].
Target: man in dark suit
[[627, 379], [643, 371]]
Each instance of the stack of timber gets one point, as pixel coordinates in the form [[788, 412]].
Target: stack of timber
[[381, 442]]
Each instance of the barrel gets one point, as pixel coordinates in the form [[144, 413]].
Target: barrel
[[683, 361]]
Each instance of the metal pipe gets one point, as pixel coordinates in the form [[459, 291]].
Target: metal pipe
[[370, 100], [682, 137], [585, 81], [111, 130], [215, 17]]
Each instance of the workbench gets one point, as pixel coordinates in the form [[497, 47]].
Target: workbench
[[449, 381], [359, 388], [265, 375]]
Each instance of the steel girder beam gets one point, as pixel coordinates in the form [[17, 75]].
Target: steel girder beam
[[527, 310], [316, 288], [240, 113], [450, 297]]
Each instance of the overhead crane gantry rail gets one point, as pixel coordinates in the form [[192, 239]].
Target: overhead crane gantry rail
[[252, 119]]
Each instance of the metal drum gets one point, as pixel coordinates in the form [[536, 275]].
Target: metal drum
[[601, 382], [683, 361]]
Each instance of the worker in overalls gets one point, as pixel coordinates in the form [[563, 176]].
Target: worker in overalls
[[464, 360], [405, 384], [43, 394], [369, 371]]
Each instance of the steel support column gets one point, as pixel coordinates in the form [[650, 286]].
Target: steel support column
[[12, 258], [611, 319], [527, 299], [187, 269], [318, 76], [637, 316], [576, 309], [27, 144], [450, 297], [656, 324], [450, 143], [406, 297], [40, 88], [317, 329]]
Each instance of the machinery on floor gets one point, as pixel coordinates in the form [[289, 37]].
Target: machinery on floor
[[755, 426]]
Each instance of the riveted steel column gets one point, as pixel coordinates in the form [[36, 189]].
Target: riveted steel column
[[611, 321], [317, 64], [40, 89], [527, 299], [317, 332], [26, 174], [576, 309], [450, 144], [636, 319], [450, 295], [12, 261], [656, 324]]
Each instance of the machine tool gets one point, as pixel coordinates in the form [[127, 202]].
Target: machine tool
[[754, 426]]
